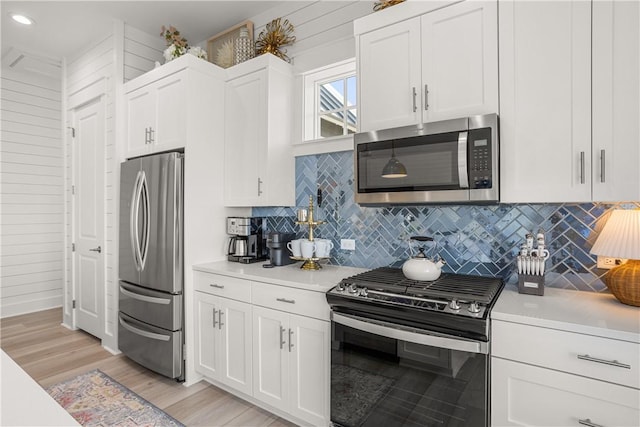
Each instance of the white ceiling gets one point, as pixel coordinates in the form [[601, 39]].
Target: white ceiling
[[63, 28]]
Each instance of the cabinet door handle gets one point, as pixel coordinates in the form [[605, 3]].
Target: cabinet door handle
[[288, 301], [582, 167], [220, 324], [415, 95], [426, 97], [146, 136], [588, 422], [151, 140], [259, 186], [282, 341], [603, 361], [290, 342], [215, 285], [602, 166], [214, 318]]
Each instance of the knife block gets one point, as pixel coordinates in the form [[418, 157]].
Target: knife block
[[531, 284]]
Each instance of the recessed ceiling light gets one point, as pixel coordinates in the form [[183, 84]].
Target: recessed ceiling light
[[22, 19]]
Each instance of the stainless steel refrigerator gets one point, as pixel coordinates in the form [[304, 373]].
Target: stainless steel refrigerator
[[151, 311]]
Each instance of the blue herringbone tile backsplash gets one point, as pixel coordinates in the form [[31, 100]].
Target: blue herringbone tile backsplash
[[471, 239]]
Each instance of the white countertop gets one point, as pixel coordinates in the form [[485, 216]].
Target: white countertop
[[25, 403], [288, 275], [581, 312]]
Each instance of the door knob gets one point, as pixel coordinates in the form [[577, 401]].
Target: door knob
[[98, 249]]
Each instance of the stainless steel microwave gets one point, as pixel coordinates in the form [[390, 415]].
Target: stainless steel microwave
[[452, 161]]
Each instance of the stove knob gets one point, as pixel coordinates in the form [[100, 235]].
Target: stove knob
[[353, 289], [453, 305], [340, 287], [473, 308], [363, 292]]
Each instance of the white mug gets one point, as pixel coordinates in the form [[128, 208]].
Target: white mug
[[294, 247], [323, 248], [307, 248]]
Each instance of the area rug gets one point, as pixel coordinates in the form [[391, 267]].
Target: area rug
[[95, 399]]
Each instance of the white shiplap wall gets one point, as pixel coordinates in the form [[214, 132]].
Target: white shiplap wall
[[120, 56], [323, 30], [32, 188], [141, 51]]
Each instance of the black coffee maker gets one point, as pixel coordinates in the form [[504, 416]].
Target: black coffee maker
[[247, 242], [278, 252]]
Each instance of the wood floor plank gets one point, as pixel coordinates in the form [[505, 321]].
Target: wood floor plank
[[51, 353]]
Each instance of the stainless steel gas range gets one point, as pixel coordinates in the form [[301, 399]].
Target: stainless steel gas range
[[411, 353]]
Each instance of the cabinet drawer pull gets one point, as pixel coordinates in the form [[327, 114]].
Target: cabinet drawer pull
[[606, 362], [588, 422], [282, 341], [415, 95], [215, 285], [288, 301], [426, 97]]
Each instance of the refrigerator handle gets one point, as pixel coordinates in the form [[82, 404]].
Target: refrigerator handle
[[133, 221], [144, 245]]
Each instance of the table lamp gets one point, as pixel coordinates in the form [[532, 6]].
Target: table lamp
[[620, 238]]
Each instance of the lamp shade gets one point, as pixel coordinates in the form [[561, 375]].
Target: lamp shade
[[620, 237]]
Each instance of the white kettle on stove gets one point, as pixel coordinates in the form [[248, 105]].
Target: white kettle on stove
[[420, 267]]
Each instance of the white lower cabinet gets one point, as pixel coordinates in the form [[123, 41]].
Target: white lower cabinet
[[269, 342], [223, 340], [553, 377], [529, 395], [291, 363]]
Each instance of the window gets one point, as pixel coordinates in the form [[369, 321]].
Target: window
[[330, 101]]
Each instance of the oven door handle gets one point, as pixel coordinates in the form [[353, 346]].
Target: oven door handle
[[398, 332]]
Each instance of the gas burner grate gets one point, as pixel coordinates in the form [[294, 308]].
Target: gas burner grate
[[448, 286]]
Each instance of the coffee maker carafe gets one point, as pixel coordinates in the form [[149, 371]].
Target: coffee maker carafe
[[247, 242]]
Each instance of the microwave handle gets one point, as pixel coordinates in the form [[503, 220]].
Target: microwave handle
[[463, 171]]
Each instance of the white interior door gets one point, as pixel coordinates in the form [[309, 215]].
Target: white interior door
[[88, 218]]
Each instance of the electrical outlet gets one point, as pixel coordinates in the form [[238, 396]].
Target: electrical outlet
[[348, 244], [609, 262]]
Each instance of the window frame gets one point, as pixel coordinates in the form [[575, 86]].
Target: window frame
[[312, 81]]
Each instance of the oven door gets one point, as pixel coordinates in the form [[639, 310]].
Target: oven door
[[386, 375]]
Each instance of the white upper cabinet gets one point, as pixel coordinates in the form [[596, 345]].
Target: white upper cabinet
[[157, 115], [616, 105], [460, 61], [259, 162], [389, 77], [569, 101], [545, 101], [430, 65]]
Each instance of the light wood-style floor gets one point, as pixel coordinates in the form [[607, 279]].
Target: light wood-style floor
[[51, 353]]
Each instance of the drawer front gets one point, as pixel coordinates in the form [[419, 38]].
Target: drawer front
[[157, 349], [224, 286], [155, 308], [529, 395], [291, 300], [596, 357]]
